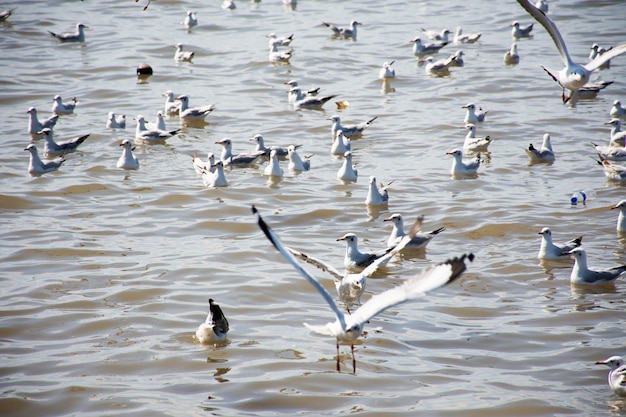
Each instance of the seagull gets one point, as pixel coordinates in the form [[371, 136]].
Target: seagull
[[273, 169], [430, 48], [37, 167], [201, 166], [58, 107], [348, 327], [294, 83], [596, 51], [35, 126], [159, 123], [387, 72], [242, 159], [520, 31], [347, 171], [617, 110], [128, 160], [278, 56], [280, 41], [463, 168], [543, 154], [613, 171], [582, 275], [617, 374], [52, 148], [308, 102], [115, 123], [511, 57], [471, 116], [542, 5], [456, 60], [171, 105], [621, 218], [215, 327], [6, 14], [181, 55], [420, 240], [341, 144], [573, 76], [349, 130], [472, 144], [281, 152], [439, 67], [376, 197], [190, 20], [436, 36], [618, 136], [550, 251], [344, 32], [78, 36], [229, 5], [459, 37], [295, 162], [215, 176], [611, 153], [143, 133], [196, 113], [354, 258]]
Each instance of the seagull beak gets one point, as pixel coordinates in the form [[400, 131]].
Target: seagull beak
[[601, 363], [613, 207], [341, 238]]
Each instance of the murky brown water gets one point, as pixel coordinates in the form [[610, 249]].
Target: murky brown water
[[106, 273]]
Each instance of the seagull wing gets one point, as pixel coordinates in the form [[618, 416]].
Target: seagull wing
[[317, 263], [608, 55]]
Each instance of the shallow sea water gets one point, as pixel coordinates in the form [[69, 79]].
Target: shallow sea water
[[106, 274]]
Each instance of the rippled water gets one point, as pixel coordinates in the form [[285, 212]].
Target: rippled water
[[106, 273]]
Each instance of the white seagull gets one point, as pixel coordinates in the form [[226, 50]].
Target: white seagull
[[52, 148], [278, 56], [543, 154], [341, 144], [459, 37], [215, 328], [618, 136], [116, 123], [542, 5], [348, 327], [37, 167], [430, 48], [296, 163], [438, 67], [181, 55], [573, 76], [456, 60], [281, 152], [611, 153], [436, 36], [419, 240], [582, 275], [349, 32], [613, 171], [229, 5], [617, 110], [511, 57], [376, 197], [6, 14], [201, 166], [195, 113], [215, 176], [78, 36], [347, 171], [549, 250], [171, 105], [58, 107], [387, 72], [519, 31], [239, 160], [35, 126], [280, 41], [472, 144], [617, 374], [349, 130], [128, 160], [294, 83], [473, 116], [273, 169], [143, 133], [621, 217], [308, 102], [191, 20], [459, 167], [353, 257]]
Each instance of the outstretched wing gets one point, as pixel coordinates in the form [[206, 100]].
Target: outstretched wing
[[316, 262], [432, 278], [283, 251], [598, 61]]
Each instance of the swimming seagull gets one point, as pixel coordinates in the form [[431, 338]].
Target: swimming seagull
[[542, 5], [348, 327], [215, 176], [430, 48], [459, 37], [341, 144], [551, 251], [387, 71], [281, 152], [456, 60], [511, 56], [171, 105], [439, 67], [353, 257], [308, 102], [344, 32], [436, 36], [596, 51], [472, 144], [294, 83], [52, 148], [58, 107], [295, 161], [347, 171], [459, 167], [520, 31], [116, 123], [181, 55], [35, 126], [241, 159], [229, 5], [37, 167], [420, 240], [78, 36], [201, 166], [215, 328], [617, 110], [143, 133], [349, 130], [573, 76], [273, 169], [582, 275], [128, 160], [618, 136], [621, 218], [613, 171], [6, 14], [376, 197], [617, 374], [190, 20], [280, 41], [278, 56], [196, 113], [473, 116], [543, 154]]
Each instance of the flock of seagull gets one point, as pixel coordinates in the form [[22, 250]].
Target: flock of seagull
[[573, 78]]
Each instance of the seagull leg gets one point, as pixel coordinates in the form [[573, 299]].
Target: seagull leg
[[338, 368], [353, 360]]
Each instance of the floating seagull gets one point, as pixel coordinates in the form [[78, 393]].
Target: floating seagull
[[617, 110], [511, 57], [196, 113], [344, 32], [348, 327], [347, 171], [439, 67], [295, 162], [281, 152], [190, 20], [215, 327], [159, 123], [78, 36], [58, 107], [171, 105], [582, 275], [294, 83], [613, 171], [617, 374], [6, 14], [550, 250], [573, 76], [181, 55], [273, 169], [430, 48], [201, 166], [115, 123], [520, 31], [241, 159], [52, 148], [420, 240], [596, 51], [459, 37], [354, 258], [143, 133], [436, 36], [37, 167], [308, 102], [618, 136], [471, 115], [229, 5], [215, 176], [35, 126], [456, 60], [543, 154], [349, 130], [387, 72], [128, 160], [280, 41], [376, 197], [542, 5], [621, 218], [472, 144], [463, 168], [612, 153], [341, 144], [278, 56]]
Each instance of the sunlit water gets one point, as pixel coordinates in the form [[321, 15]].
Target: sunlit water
[[107, 273]]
